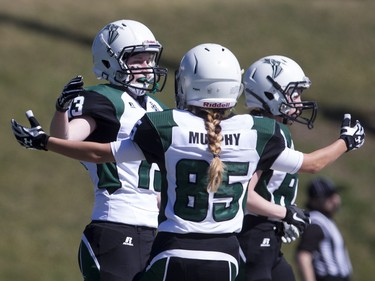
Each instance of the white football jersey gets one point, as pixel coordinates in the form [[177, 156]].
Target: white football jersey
[[177, 141], [124, 192]]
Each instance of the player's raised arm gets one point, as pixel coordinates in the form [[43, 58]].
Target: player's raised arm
[[351, 137], [35, 138]]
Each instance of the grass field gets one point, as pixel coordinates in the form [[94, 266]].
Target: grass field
[[45, 199]]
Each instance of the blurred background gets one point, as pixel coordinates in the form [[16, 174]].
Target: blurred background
[[45, 199]]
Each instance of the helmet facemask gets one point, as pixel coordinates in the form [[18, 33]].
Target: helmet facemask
[[141, 79], [303, 112]]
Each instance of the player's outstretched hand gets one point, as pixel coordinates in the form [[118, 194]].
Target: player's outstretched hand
[[297, 217], [354, 136], [70, 91], [290, 233], [31, 138]]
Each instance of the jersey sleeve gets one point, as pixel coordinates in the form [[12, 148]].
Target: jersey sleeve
[[270, 142], [311, 238], [289, 161], [126, 150], [146, 136], [138, 146], [102, 110], [93, 104]]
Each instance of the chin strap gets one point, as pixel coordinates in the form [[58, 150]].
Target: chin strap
[[285, 121]]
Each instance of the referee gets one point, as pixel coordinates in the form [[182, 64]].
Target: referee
[[321, 254]]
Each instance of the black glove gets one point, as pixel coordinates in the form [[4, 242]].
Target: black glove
[[31, 138], [70, 91], [354, 136], [297, 217]]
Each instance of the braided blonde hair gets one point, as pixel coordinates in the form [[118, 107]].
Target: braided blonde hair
[[212, 119]]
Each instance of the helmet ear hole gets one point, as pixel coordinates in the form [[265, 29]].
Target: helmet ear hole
[[269, 95], [106, 64]]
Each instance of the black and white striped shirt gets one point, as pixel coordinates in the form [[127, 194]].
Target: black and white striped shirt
[[324, 240]]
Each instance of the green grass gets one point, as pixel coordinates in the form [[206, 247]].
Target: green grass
[[46, 200]]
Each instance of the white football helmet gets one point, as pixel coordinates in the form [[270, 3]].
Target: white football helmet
[[113, 46], [269, 84], [209, 76]]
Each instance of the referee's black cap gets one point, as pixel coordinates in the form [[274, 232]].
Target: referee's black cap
[[321, 188]]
